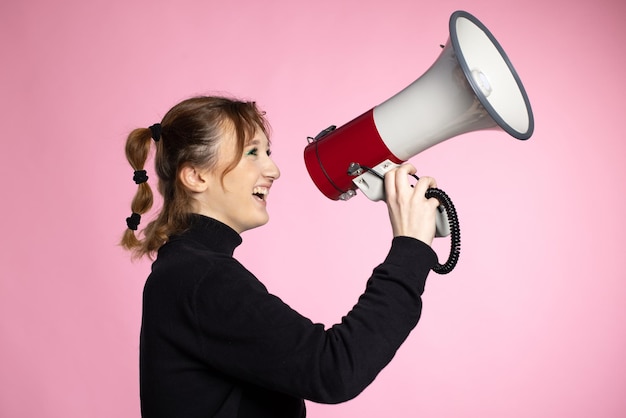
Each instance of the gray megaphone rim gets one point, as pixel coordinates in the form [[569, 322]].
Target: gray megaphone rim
[[468, 74]]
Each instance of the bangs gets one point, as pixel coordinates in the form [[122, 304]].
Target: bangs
[[245, 119]]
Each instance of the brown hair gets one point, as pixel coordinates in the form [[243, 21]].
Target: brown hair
[[191, 133]]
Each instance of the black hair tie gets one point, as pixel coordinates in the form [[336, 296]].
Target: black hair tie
[[140, 176], [133, 221], [156, 132]]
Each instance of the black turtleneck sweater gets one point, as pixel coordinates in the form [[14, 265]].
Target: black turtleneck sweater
[[215, 343]]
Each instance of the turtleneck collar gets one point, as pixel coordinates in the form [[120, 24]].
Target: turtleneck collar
[[213, 234]]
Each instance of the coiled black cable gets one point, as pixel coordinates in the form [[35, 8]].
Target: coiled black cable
[[455, 230], [453, 219]]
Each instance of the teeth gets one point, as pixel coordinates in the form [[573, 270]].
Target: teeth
[[261, 191]]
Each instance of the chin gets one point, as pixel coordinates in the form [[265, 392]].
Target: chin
[[254, 225], [264, 222]]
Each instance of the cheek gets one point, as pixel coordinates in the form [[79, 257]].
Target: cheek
[[239, 182]]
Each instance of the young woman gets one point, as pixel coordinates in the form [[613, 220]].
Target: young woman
[[214, 342]]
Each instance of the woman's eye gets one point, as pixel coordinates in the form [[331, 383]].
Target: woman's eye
[[269, 152], [253, 151]]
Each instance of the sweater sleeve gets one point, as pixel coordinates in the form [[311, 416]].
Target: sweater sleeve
[[249, 334]]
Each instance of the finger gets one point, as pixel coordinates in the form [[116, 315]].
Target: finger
[[425, 183], [391, 179], [390, 184], [407, 168], [422, 186], [401, 175]]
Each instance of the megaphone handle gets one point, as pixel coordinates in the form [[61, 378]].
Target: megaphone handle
[[449, 217], [453, 225]]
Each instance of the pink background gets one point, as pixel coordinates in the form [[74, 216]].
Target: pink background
[[532, 321]]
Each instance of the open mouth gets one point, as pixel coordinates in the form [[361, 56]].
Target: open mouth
[[260, 192]]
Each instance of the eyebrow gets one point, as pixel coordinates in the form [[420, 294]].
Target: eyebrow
[[257, 142]]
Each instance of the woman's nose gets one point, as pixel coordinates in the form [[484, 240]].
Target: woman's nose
[[271, 169]]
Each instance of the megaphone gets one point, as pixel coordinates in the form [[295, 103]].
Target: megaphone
[[471, 86]]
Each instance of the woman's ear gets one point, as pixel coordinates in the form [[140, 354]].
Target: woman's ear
[[194, 179]]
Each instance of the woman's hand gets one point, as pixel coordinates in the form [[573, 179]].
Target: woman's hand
[[410, 212]]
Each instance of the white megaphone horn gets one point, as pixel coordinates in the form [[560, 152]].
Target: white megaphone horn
[[471, 86]]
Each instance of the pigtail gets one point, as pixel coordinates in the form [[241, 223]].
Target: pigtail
[[137, 149]]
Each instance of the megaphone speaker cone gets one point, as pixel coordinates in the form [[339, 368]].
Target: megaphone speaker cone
[[491, 75]]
